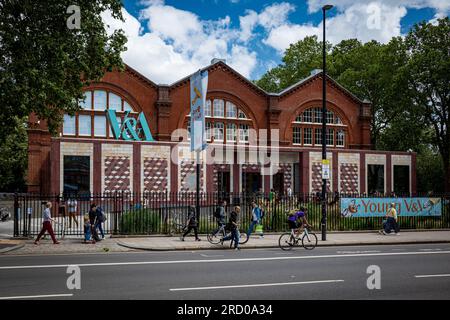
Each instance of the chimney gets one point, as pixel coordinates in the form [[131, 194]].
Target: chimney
[[316, 71], [215, 60]]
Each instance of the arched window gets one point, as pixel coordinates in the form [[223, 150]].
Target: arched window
[[91, 121], [224, 122], [307, 128]]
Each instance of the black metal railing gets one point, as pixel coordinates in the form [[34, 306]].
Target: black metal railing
[[162, 212]]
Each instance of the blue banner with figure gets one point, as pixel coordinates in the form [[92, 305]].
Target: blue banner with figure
[[199, 84], [377, 207]]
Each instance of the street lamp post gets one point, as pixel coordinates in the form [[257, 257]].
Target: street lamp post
[[324, 127]]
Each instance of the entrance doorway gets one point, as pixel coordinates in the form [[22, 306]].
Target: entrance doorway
[[223, 182], [278, 183], [251, 182]]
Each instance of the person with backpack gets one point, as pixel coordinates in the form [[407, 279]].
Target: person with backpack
[[192, 224], [256, 219], [219, 215]]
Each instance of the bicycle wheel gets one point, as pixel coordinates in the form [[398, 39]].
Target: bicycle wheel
[[214, 237], [309, 241], [243, 238], [286, 241]]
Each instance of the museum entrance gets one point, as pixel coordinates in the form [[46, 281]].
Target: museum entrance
[[251, 182]]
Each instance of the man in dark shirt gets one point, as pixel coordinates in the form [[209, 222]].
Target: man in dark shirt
[[233, 224]]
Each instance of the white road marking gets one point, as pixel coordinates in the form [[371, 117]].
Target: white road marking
[[256, 285], [39, 296], [225, 260], [432, 275], [351, 252], [211, 256], [430, 249]]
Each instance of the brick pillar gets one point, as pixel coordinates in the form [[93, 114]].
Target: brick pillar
[[55, 173], [97, 173], [236, 174], [335, 168], [362, 173], [136, 167], [413, 174], [304, 169], [389, 173], [173, 170]]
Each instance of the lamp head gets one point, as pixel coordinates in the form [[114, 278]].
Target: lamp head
[[327, 7]]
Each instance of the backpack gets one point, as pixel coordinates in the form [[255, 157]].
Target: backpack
[[217, 213]]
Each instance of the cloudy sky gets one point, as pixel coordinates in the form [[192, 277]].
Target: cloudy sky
[[170, 39]]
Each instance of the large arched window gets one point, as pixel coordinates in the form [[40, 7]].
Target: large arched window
[[307, 129], [224, 122], [91, 120]]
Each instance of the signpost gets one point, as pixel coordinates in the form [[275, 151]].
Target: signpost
[[199, 85]]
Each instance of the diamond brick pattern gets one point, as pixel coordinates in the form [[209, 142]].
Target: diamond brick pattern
[[349, 178], [246, 167], [286, 168], [188, 178], [216, 169], [117, 173], [155, 174], [316, 178]]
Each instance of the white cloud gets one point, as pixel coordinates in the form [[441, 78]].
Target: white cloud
[[365, 20], [178, 42]]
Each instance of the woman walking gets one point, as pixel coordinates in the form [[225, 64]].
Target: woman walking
[[47, 224], [192, 224]]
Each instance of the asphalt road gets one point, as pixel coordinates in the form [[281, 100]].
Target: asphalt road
[[407, 272]]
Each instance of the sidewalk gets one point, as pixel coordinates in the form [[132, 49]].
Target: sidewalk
[[271, 241], [164, 243]]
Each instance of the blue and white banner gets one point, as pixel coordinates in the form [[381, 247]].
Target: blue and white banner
[[377, 207], [199, 86]]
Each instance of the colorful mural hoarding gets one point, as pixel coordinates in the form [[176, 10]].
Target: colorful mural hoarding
[[377, 207]]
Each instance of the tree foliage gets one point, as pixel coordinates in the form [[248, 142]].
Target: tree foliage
[[44, 64], [407, 81]]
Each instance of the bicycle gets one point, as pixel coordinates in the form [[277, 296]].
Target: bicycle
[[288, 240], [176, 224], [217, 236]]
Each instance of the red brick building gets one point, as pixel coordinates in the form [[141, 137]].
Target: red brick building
[[86, 157]]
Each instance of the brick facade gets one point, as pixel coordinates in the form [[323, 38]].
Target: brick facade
[[147, 166]]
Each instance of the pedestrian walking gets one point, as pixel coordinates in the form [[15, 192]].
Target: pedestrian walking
[[192, 224], [256, 219], [72, 208], [220, 214], [99, 219], [92, 221], [233, 225], [391, 221], [47, 224]]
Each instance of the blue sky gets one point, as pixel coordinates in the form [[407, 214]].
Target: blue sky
[[173, 38]]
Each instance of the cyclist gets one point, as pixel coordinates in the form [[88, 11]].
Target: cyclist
[[297, 219]]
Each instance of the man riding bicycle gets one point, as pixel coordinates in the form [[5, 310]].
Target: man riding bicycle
[[297, 219]]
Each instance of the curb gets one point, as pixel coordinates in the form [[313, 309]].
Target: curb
[[19, 246], [276, 246]]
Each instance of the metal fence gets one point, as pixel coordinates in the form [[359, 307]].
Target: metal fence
[[164, 213]]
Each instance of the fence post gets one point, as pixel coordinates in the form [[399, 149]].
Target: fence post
[[16, 215]]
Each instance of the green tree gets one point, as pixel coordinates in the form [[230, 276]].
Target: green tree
[[298, 62], [428, 77], [13, 158], [44, 64]]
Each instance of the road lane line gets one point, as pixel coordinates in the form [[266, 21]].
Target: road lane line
[[432, 275], [109, 264], [256, 285], [39, 296]]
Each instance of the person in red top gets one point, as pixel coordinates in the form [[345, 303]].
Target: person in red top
[[47, 224]]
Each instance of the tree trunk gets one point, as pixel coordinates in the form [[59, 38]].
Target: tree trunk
[[446, 175]]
